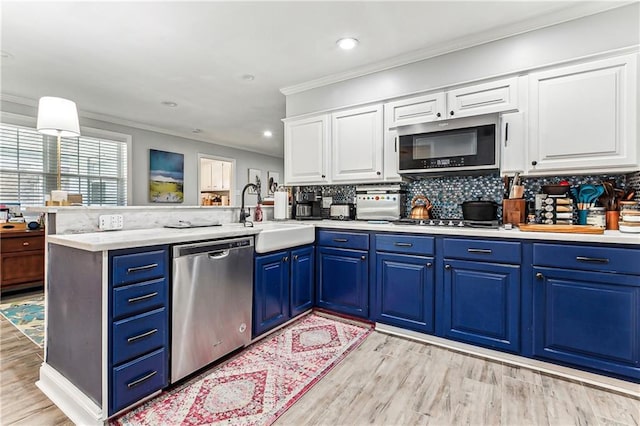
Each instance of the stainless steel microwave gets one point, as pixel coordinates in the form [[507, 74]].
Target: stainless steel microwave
[[461, 144]]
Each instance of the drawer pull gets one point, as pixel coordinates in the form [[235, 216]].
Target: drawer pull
[[146, 296], [340, 240], [142, 268], [403, 244], [447, 267], [429, 264], [141, 379], [592, 259], [480, 251], [26, 243], [142, 336], [539, 276]]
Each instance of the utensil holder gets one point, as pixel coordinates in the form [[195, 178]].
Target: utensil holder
[[582, 217], [613, 216], [513, 211]]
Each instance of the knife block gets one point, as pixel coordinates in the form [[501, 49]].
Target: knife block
[[513, 211]]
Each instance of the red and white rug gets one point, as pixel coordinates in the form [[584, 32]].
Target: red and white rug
[[259, 384]]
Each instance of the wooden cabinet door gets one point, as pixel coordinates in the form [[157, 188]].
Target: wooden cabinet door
[[356, 145], [22, 267], [584, 117], [482, 303], [405, 291], [588, 319], [306, 150], [485, 98], [271, 291], [343, 281]]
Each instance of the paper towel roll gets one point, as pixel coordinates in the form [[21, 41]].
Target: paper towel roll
[[280, 205]]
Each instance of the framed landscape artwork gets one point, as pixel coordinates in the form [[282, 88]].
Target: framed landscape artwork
[[166, 177]]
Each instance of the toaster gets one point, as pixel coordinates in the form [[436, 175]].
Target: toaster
[[342, 211]]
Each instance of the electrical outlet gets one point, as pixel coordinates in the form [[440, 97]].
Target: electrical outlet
[[111, 222]]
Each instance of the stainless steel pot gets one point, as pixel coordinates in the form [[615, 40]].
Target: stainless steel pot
[[479, 210]]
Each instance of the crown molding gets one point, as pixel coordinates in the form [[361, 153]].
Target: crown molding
[[136, 125], [580, 10]]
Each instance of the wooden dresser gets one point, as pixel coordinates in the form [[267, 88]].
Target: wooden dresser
[[21, 259]]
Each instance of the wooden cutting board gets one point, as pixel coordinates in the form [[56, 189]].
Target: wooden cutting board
[[570, 229]]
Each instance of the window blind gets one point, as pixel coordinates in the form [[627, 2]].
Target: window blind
[[93, 167]]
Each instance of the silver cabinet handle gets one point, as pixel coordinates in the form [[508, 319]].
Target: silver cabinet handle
[[340, 240], [447, 267], [403, 244], [141, 379], [295, 257], [26, 243], [480, 251], [592, 259], [139, 298], [428, 264], [142, 268], [539, 276], [285, 259], [142, 336], [217, 255], [363, 257]]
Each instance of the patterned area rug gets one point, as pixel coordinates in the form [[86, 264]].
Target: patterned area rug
[[259, 384], [27, 316]]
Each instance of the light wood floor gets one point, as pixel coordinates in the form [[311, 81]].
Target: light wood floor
[[386, 381]]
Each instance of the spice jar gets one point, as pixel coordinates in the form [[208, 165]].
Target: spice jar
[[596, 217], [629, 216]]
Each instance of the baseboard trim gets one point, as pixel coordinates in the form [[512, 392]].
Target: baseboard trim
[[609, 383], [80, 409]]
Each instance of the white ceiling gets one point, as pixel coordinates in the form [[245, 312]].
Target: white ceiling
[[122, 59]]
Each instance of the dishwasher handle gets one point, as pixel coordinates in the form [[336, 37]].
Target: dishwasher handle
[[218, 255]]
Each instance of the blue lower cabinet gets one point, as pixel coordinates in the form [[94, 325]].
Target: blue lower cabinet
[[271, 291], [137, 379], [588, 319], [302, 280], [404, 291], [343, 281], [481, 303]]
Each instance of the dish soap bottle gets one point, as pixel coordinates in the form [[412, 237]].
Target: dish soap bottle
[[257, 215]]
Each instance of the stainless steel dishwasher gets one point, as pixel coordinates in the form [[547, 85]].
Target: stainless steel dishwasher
[[211, 304]]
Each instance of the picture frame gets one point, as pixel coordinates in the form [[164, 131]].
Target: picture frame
[[255, 177], [273, 180], [166, 177]]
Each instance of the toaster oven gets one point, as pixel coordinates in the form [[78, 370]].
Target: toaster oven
[[380, 202]]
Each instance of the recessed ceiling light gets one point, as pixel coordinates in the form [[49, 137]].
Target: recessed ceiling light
[[197, 130], [248, 77], [347, 43], [267, 133], [170, 104]]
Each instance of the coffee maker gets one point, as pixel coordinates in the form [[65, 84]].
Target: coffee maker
[[307, 205]]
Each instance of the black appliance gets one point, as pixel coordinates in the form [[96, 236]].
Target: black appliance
[[307, 205], [463, 144]]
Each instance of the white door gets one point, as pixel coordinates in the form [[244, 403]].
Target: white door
[[356, 145], [306, 150], [419, 109], [485, 98], [513, 153], [584, 117]]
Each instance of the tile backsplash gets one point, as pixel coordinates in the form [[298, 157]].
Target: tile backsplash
[[447, 193]]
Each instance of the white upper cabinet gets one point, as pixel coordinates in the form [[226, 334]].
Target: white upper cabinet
[[356, 145], [419, 109], [485, 98], [512, 142], [306, 150], [583, 117], [206, 183]]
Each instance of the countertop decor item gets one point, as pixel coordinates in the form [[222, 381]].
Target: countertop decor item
[[258, 385]]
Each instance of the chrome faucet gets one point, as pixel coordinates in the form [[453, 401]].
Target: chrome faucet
[[243, 214]]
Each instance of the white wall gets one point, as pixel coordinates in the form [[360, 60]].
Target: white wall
[[614, 29], [143, 140]]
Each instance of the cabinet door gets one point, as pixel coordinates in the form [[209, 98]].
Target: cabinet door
[[306, 150], [226, 175], [302, 280], [356, 145], [584, 116], [404, 291], [588, 319], [22, 267], [343, 281], [482, 303], [206, 183], [513, 154], [415, 110], [216, 175], [486, 98], [271, 291]]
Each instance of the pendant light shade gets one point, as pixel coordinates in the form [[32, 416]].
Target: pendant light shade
[[58, 117]]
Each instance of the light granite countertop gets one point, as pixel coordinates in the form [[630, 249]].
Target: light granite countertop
[[112, 240]]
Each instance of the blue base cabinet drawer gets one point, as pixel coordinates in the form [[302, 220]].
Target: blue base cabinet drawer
[[343, 281], [409, 244], [588, 319], [135, 380], [139, 334], [136, 298], [405, 291], [350, 240], [136, 267], [587, 258], [482, 304], [483, 250]]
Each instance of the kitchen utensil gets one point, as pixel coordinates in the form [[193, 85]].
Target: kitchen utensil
[[420, 207], [588, 194], [479, 210]]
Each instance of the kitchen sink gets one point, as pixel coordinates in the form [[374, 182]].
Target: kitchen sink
[[277, 236]]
